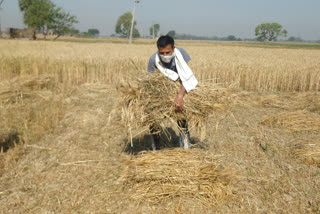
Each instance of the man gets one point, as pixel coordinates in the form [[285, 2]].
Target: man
[[172, 62]]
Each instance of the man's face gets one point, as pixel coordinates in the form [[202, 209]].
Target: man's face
[[166, 51]]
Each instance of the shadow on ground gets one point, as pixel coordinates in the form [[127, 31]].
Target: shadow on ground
[[170, 139], [9, 141]]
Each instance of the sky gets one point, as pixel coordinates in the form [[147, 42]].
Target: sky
[[201, 17]]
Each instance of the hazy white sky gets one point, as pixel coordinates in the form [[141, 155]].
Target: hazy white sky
[[201, 17]]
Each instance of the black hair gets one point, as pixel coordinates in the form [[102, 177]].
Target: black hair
[[163, 41]]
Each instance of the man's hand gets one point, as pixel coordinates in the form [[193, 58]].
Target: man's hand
[[178, 103]]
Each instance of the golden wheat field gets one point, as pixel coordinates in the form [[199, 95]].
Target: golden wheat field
[[64, 149]]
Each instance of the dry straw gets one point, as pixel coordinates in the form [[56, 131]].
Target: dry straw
[[295, 121], [308, 152], [293, 101], [176, 173], [24, 87], [29, 108], [149, 100]]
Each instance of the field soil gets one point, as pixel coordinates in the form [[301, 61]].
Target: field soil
[[77, 168], [64, 149]]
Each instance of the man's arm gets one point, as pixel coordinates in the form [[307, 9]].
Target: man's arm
[[179, 103], [152, 64], [185, 55]]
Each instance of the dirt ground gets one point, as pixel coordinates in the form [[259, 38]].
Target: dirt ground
[[77, 168]]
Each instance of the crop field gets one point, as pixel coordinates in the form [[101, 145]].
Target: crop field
[[64, 149]]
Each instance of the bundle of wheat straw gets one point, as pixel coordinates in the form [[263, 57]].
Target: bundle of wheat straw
[[167, 174], [294, 121], [149, 100], [308, 152]]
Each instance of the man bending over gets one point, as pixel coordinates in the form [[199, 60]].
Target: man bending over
[[172, 62]]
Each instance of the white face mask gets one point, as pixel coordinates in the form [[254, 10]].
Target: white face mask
[[167, 59]]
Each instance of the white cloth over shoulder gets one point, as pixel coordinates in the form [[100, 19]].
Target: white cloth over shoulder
[[186, 75]]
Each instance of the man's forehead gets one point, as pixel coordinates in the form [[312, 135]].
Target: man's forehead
[[167, 48]]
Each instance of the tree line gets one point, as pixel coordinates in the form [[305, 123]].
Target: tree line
[[123, 27], [45, 16], [265, 32]]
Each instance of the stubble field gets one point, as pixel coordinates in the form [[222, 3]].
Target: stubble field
[[65, 151]]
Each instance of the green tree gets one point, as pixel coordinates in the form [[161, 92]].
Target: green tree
[[74, 31], [94, 32], [294, 39], [135, 33], [62, 22], [172, 33], [24, 4], [154, 30], [231, 38], [123, 26], [1, 1], [39, 15], [43, 15], [85, 34], [269, 32]]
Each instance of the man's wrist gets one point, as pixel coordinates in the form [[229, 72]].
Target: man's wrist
[[180, 95]]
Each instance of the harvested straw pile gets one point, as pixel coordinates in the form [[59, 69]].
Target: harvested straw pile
[[293, 101], [149, 100], [29, 105], [308, 152], [295, 121], [156, 177]]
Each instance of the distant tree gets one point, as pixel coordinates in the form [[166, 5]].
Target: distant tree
[[85, 34], [39, 15], [269, 32], [74, 32], [94, 32], [294, 39], [172, 33], [25, 4], [154, 30], [62, 23], [231, 38], [43, 15], [1, 1], [135, 33], [123, 25]]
